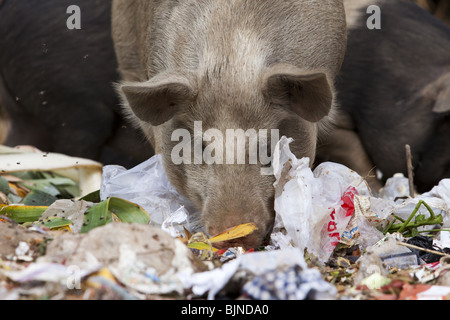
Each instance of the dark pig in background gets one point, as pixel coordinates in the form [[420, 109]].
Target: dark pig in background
[[56, 84], [393, 90], [229, 64]]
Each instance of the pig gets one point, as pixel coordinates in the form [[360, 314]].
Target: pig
[[393, 89], [229, 65], [56, 83]]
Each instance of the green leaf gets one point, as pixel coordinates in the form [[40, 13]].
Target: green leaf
[[420, 218], [199, 246], [55, 222], [28, 175], [101, 213], [41, 185], [21, 213], [59, 181], [50, 183], [38, 198], [14, 198], [96, 216], [4, 186], [128, 211], [92, 197]]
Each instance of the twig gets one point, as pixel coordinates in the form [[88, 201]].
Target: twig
[[433, 230], [422, 249], [410, 170]]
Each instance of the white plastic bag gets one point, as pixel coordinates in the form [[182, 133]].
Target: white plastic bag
[[147, 185], [313, 207]]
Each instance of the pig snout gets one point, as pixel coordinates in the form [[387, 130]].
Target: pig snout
[[222, 213]]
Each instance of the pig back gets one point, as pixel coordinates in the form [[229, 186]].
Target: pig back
[[154, 36], [391, 84]]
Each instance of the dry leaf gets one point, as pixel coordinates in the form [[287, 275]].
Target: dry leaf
[[234, 233]]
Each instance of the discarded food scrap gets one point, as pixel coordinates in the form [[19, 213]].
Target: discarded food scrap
[[201, 242]]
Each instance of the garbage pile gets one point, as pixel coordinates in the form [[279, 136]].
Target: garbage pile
[[137, 238]]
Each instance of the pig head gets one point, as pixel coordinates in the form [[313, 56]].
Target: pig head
[[228, 65]]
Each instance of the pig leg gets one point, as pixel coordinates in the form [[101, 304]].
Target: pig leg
[[127, 146], [344, 146], [4, 124]]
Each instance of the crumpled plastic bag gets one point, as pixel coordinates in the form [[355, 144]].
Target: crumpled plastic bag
[[371, 211], [314, 208], [396, 186], [441, 192], [147, 185]]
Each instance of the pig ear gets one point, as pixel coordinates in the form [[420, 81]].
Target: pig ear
[[157, 100], [306, 93]]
